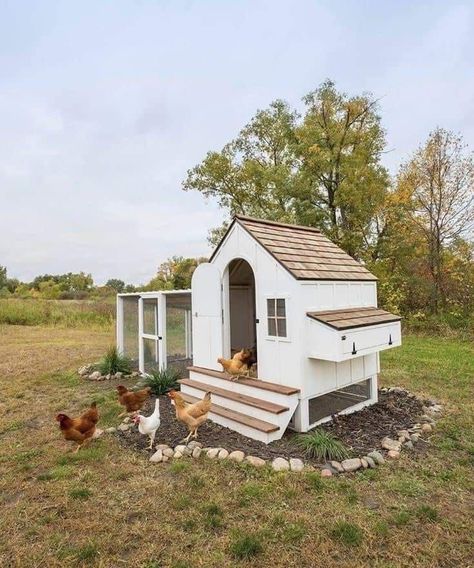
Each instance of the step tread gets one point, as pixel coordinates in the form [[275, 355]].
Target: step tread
[[237, 397], [255, 423], [257, 383]]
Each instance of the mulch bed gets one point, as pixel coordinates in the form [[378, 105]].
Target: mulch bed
[[360, 431]]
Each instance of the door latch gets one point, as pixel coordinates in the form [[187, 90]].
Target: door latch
[[390, 342], [354, 352]]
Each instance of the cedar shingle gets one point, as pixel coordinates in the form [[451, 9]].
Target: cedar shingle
[[304, 251], [353, 317]]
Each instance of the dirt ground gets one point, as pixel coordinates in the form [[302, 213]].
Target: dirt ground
[[361, 432]]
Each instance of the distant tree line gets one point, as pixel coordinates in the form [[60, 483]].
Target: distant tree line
[[323, 168], [173, 274]]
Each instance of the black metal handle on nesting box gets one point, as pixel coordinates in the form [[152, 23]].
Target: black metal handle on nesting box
[[354, 352], [390, 342]]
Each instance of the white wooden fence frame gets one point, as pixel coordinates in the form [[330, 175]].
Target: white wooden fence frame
[[160, 337]]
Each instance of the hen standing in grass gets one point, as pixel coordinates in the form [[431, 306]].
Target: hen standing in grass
[[79, 430], [149, 424]]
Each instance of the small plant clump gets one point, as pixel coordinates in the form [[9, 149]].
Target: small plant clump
[[322, 445], [162, 381], [245, 546], [347, 533], [114, 362]]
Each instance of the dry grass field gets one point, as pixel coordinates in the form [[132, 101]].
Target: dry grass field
[[109, 507]]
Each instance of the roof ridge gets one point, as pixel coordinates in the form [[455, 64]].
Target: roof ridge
[[276, 223]]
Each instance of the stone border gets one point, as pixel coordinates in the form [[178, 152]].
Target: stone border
[[89, 373], [406, 441]]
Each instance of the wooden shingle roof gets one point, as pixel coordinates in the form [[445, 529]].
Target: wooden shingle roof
[[304, 251], [353, 317]]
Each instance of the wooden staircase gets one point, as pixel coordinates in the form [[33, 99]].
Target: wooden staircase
[[257, 409]]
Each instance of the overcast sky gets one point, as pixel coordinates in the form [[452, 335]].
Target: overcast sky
[[104, 105]]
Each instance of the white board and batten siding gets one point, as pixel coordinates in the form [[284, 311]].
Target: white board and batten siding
[[206, 309]]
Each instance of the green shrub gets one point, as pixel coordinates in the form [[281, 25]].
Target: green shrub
[[322, 445], [113, 362], [162, 381], [244, 546], [347, 533]]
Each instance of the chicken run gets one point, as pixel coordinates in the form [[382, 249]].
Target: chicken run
[[280, 331]]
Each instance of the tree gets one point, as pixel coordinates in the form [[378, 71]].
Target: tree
[[174, 274], [340, 144], [3, 277], [323, 171], [254, 174], [116, 284], [439, 179]]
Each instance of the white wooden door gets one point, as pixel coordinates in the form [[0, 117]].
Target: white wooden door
[[207, 316]]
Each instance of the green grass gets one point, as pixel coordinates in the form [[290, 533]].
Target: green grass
[[61, 313], [245, 545], [347, 533], [211, 513]]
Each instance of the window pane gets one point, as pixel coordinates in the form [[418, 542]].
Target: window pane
[[281, 323], [270, 307], [150, 355], [271, 327], [149, 317], [130, 327], [281, 311]]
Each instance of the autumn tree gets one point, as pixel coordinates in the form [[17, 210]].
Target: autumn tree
[[439, 179]]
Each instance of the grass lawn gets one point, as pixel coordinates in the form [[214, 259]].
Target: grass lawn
[[108, 507]]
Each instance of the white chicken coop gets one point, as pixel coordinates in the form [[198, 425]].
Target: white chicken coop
[[309, 311]]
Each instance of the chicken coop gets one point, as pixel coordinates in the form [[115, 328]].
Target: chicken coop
[[154, 329], [306, 309]]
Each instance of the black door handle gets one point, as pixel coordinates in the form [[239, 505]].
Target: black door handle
[[354, 352]]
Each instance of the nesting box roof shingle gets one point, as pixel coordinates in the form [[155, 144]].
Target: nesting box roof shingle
[[304, 251], [353, 317]]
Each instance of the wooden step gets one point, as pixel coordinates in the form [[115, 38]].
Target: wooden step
[[237, 397], [255, 423], [257, 383]]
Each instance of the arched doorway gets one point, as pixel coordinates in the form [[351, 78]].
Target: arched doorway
[[242, 312]]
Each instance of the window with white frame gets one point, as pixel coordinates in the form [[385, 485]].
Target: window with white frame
[[276, 317]]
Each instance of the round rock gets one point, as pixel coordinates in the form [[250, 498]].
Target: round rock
[[389, 444], [254, 461], [157, 457], [196, 452], [168, 452], [237, 456], [280, 464], [180, 448], [296, 464], [326, 472], [212, 453], [393, 454], [336, 466], [222, 454], [377, 457], [370, 461], [351, 465], [427, 428]]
